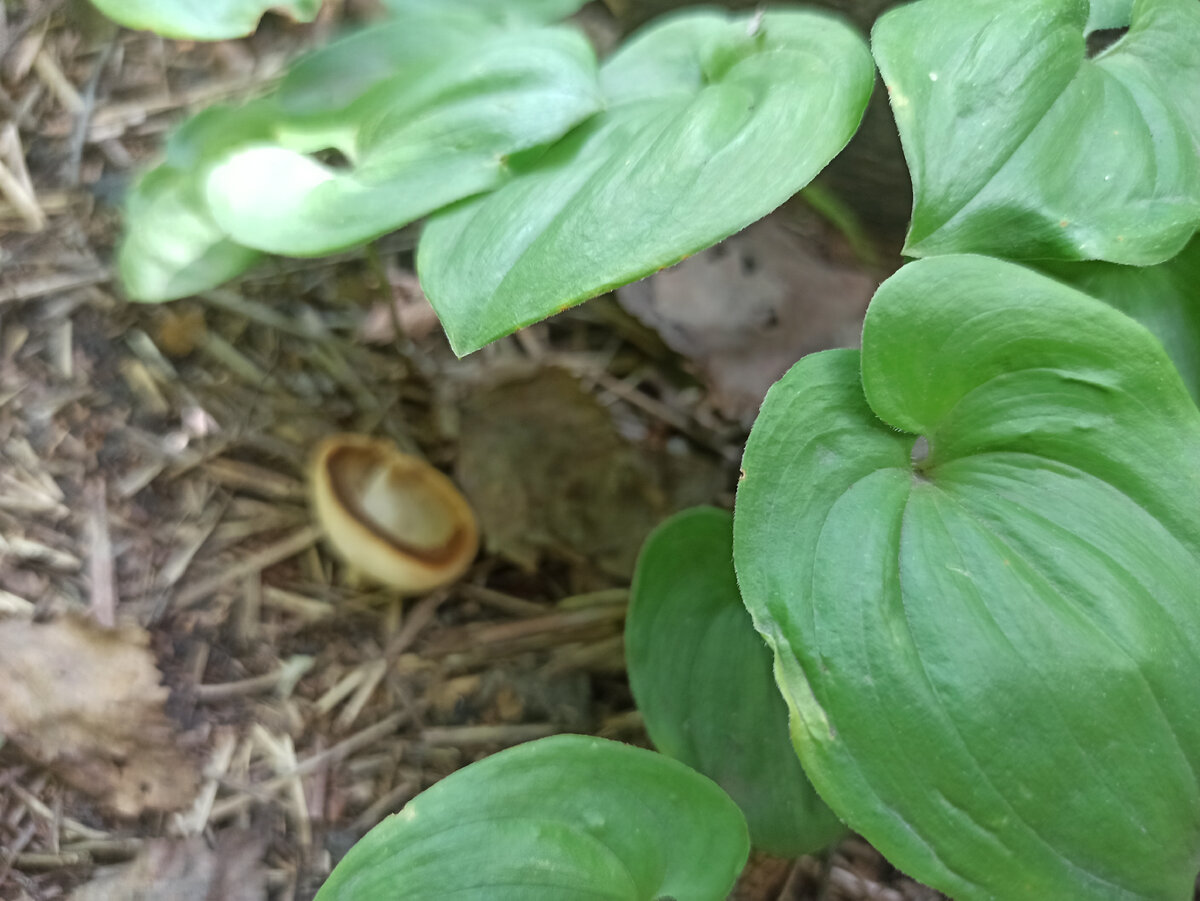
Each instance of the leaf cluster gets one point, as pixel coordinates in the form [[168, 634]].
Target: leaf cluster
[[480, 115], [964, 558]]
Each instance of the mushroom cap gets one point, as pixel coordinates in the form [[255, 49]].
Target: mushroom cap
[[391, 515]]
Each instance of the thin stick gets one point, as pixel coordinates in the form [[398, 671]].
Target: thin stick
[[50, 284], [195, 821], [100, 560], [342, 749], [60, 86], [39, 861], [289, 547], [23, 202], [503, 734], [80, 132], [416, 621], [282, 680], [506, 603]]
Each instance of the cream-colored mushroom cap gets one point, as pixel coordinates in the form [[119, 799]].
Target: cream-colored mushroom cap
[[391, 515]]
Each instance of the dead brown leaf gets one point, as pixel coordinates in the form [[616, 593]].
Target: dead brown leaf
[[186, 870], [747, 309], [86, 701], [546, 470]]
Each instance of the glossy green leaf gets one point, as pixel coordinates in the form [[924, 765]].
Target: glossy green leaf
[[990, 645], [1109, 14], [568, 818], [1164, 298], [428, 137], [327, 82], [1021, 146], [171, 246], [712, 121], [702, 680], [202, 20]]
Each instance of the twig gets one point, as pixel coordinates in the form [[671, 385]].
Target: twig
[[48, 70], [373, 673], [328, 757], [35, 805], [14, 180], [232, 302], [603, 597], [385, 804], [296, 604], [80, 132], [254, 479], [12, 605], [36, 18], [9, 856], [505, 603], [502, 734], [195, 820], [283, 756], [288, 547], [41, 861], [282, 680], [109, 850], [421, 616], [51, 284], [681, 422], [100, 559], [565, 621]]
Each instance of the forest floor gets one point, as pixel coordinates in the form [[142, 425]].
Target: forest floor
[[262, 707]]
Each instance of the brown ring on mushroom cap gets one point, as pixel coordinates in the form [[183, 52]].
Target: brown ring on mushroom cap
[[390, 514]]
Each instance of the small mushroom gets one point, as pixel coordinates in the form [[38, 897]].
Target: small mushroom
[[391, 515]]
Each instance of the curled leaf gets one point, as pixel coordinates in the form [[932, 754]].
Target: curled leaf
[[418, 141], [711, 122], [172, 247], [210, 20]]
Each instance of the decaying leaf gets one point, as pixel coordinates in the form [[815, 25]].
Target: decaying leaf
[[545, 469], [186, 870], [86, 701], [747, 309], [516, 692]]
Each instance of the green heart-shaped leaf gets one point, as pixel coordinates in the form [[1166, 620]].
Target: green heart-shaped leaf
[[702, 679], [1021, 146], [1164, 298], [428, 137], [567, 818], [712, 121], [172, 247], [202, 20], [990, 644]]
